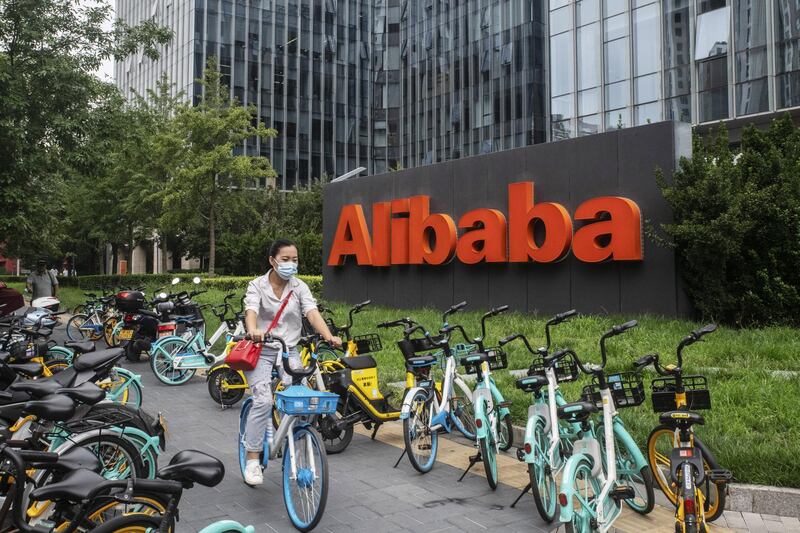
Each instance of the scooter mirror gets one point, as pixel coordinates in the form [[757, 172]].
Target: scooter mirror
[[162, 295], [175, 281], [196, 280]]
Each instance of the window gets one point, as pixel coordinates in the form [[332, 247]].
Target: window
[[560, 20], [587, 11], [750, 32], [617, 60], [589, 56], [712, 34], [618, 118], [647, 88], [647, 113], [616, 27], [589, 102], [646, 44], [618, 94], [562, 79]]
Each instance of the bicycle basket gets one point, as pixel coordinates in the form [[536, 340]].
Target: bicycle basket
[[413, 347], [497, 361], [461, 349], [627, 390], [566, 369], [369, 343], [299, 400], [697, 394]]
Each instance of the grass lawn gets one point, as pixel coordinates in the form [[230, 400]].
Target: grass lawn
[[753, 428]]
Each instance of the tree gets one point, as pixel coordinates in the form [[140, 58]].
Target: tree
[[207, 172], [737, 225], [49, 51]]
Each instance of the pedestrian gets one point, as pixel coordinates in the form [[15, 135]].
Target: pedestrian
[[266, 295], [42, 282]]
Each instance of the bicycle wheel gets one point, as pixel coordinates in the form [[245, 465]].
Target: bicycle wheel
[[162, 356], [79, 309], [75, 325], [218, 380], [421, 443], [505, 433], [462, 411], [543, 486], [56, 364], [305, 493], [109, 335], [640, 480], [118, 455], [659, 445], [489, 456], [131, 523], [336, 439], [121, 388], [327, 353], [587, 489]]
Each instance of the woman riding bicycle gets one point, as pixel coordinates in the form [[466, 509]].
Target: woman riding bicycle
[[279, 294]]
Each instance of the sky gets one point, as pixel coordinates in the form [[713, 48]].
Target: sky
[[106, 71]]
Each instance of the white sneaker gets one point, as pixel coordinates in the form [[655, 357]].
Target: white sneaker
[[253, 475]]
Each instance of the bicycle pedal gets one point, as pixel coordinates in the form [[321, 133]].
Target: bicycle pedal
[[720, 476], [521, 454], [622, 492]]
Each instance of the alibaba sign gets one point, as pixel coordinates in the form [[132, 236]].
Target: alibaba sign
[[405, 232]]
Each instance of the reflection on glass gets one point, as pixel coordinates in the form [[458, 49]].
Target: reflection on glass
[[712, 73], [749, 23], [562, 130], [646, 46], [618, 118], [647, 88], [588, 125], [713, 104], [788, 86], [561, 107], [678, 109], [587, 11], [560, 20], [647, 113], [616, 59], [677, 81], [618, 94], [589, 102], [752, 97], [562, 79], [588, 56], [676, 34], [712, 34], [613, 7]]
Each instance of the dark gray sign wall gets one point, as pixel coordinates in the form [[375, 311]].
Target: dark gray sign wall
[[619, 163]]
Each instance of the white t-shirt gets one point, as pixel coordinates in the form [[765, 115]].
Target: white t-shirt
[[261, 298]]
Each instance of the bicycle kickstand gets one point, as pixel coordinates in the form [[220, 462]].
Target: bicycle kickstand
[[523, 493], [400, 458], [375, 431], [472, 460]]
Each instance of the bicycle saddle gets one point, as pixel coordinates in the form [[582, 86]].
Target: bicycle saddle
[[681, 418], [577, 411], [31, 370], [422, 361], [54, 407], [73, 459], [80, 346], [191, 466], [76, 486], [86, 393], [531, 383], [37, 389], [93, 360], [359, 362]]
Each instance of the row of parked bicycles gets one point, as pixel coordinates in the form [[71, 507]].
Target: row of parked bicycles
[[581, 460]]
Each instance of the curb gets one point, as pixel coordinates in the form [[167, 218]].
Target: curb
[[742, 498]]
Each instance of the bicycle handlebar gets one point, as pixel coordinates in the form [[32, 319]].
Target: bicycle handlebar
[[407, 322], [558, 319], [453, 309], [491, 313]]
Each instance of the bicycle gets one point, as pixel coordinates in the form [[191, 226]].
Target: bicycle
[[591, 489], [92, 323], [429, 407], [305, 463], [686, 470], [548, 440], [175, 360]]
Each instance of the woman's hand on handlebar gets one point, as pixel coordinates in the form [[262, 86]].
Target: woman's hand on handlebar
[[334, 341], [256, 335]]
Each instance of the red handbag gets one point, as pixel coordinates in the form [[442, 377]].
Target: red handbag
[[244, 356]]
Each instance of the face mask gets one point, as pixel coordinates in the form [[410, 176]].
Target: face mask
[[286, 270]]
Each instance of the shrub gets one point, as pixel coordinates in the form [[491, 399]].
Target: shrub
[[737, 225]]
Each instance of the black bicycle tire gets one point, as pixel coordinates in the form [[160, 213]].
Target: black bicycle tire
[[510, 428], [130, 449], [226, 399]]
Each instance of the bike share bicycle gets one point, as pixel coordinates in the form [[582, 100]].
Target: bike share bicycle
[[605, 465], [683, 466], [305, 463]]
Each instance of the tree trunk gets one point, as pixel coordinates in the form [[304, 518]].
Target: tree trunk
[[212, 238], [164, 253]]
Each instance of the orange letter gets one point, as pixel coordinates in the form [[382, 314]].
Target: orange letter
[[485, 239], [623, 228], [400, 231], [381, 224], [522, 213], [351, 238], [420, 225]]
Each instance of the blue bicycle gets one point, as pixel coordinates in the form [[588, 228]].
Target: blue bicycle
[[305, 463]]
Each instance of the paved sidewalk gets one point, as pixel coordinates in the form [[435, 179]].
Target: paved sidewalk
[[367, 494]]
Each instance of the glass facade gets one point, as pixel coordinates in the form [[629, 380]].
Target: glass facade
[[619, 63], [471, 78]]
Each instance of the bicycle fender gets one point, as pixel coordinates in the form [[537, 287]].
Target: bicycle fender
[[529, 437], [224, 526], [566, 488], [481, 414], [405, 410], [158, 343], [626, 440], [60, 351], [218, 366], [497, 398]]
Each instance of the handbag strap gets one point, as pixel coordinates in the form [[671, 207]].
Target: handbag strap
[[280, 312]]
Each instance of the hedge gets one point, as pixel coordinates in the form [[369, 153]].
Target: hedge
[[104, 283]]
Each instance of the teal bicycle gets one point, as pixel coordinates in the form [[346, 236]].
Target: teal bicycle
[[548, 441], [606, 466]]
